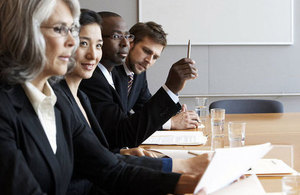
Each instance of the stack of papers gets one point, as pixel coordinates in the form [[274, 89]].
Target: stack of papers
[[248, 186], [271, 167], [228, 164], [176, 138]]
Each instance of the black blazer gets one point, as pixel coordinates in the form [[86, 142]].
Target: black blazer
[[152, 163], [29, 166], [139, 93], [121, 130]]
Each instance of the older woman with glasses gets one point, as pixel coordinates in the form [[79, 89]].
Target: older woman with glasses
[[41, 142]]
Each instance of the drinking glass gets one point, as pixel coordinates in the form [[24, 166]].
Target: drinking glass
[[217, 128], [291, 185], [201, 108], [236, 134]]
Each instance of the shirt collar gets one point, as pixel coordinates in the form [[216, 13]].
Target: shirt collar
[[106, 74], [128, 72], [36, 97]]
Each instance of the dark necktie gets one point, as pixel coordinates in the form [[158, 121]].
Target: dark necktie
[[130, 81]]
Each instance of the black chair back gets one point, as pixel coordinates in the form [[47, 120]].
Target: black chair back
[[239, 106]]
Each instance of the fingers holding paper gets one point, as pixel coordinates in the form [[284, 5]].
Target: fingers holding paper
[[193, 171], [179, 73], [196, 165], [187, 184], [201, 192]]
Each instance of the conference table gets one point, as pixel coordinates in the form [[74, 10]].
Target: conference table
[[280, 129]]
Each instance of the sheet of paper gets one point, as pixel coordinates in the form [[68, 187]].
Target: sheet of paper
[[248, 186], [176, 138], [270, 167], [228, 164]]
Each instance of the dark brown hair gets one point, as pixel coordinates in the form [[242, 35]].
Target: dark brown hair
[[149, 29]]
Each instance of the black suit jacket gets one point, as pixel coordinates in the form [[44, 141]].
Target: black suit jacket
[[120, 129], [139, 93], [152, 163], [29, 166]]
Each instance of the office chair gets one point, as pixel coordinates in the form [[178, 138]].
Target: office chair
[[239, 106]]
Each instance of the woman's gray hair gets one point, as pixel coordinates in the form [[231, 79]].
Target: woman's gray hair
[[22, 45]]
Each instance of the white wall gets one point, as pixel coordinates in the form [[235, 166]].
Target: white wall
[[226, 69]]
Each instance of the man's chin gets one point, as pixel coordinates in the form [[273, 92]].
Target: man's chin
[[136, 71], [119, 62]]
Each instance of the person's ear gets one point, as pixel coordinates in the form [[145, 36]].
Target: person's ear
[[131, 44]]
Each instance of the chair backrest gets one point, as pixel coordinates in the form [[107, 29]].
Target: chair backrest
[[248, 106]]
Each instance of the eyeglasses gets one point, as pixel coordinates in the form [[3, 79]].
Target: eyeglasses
[[116, 36], [63, 30]]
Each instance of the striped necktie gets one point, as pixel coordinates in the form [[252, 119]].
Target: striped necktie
[[130, 81]]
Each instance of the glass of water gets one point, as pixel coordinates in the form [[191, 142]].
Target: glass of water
[[201, 108], [236, 134], [291, 185], [217, 128]]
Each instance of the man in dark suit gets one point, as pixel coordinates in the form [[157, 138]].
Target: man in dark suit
[[145, 49], [104, 89]]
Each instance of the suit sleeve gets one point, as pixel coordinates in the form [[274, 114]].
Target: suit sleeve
[[122, 130], [109, 173], [15, 175], [152, 163], [133, 130]]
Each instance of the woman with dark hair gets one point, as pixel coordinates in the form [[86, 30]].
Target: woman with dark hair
[[88, 54], [41, 140]]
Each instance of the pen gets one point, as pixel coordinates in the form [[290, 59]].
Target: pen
[[193, 153], [189, 49]]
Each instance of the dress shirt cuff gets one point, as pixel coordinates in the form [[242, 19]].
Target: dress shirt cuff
[[173, 96], [167, 165], [167, 125]]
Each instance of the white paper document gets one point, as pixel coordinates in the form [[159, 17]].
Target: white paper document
[[228, 164], [271, 167], [176, 138], [248, 186]]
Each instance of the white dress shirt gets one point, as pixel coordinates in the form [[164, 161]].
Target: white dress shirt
[[43, 104], [107, 75]]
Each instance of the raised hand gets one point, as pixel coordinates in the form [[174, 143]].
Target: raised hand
[[179, 73]]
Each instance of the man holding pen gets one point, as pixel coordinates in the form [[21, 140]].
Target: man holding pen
[[145, 49], [104, 89]]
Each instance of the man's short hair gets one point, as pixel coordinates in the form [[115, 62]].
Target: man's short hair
[[106, 14], [149, 29]]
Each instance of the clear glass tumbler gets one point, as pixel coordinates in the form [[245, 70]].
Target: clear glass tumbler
[[217, 128], [236, 134], [201, 108], [291, 185]]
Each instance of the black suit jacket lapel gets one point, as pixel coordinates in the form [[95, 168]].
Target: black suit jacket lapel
[[92, 119], [88, 109], [122, 81], [114, 92], [34, 128]]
